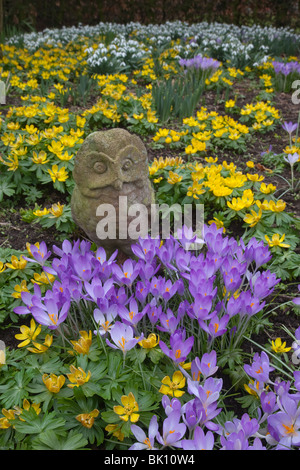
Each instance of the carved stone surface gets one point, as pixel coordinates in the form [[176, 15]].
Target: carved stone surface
[[109, 165]]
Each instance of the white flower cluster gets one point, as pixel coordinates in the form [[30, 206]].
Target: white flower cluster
[[121, 52], [133, 41]]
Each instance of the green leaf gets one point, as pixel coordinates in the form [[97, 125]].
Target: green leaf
[[48, 440], [39, 423]]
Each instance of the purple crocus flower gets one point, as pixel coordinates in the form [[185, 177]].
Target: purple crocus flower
[[30, 300], [249, 305], [166, 253], [182, 259], [154, 311], [260, 368], [123, 337], [179, 349], [257, 445], [268, 402], [234, 305], [216, 327], [297, 379], [208, 364], [201, 441], [170, 404], [291, 158], [40, 254], [235, 441], [188, 238], [127, 274], [201, 308], [146, 248], [103, 265], [142, 291], [262, 284], [191, 414], [284, 426], [261, 255], [51, 314], [232, 280], [206, 401], [98, 290], [132, 315], [250, 426], [144, 442], [105, 318], [160, 287], [83, 269], [169, 322], [173, 431], [289, 127], [296, 300], [208, 392]]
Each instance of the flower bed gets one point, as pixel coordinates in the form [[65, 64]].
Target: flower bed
[[117, 353]]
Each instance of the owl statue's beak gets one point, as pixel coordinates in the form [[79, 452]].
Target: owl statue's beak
[[118, 184]]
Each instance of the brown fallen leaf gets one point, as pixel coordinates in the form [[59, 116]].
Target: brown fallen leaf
[[261, 167]]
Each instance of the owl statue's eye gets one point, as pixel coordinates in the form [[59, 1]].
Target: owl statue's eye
[[100, 167], [127, 165]]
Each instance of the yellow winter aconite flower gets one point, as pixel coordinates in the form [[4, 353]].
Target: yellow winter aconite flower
[[278, 206], [171, 387], [255, 177], [150, 342], [87, 419], [195, 190], [39, 159], [56, 210], [26, 406], [252, 388], [12, 163], [53, 382], [276, 241], [221, 191], [59, 175], [196, 146], [267, 189], [279, 347], [115, 430], [2, 267], [82, 345], [174, 178], [9, 415], [78, 376], [253, 218], [43, 278], [19, 288], [28, 334], [218, 222], [41, 213], [129, 409], [161, 163], [41, 348], [230, 104]]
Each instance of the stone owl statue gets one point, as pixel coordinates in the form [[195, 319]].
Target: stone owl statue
[[111, 166]]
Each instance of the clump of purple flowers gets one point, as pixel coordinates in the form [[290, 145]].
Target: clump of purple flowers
[[200, 62], [285, 74], [286, 68], [194, 425], [193, 298], [200, 302], [199, 66]]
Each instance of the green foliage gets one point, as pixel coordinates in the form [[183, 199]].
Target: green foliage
[[177, 97]]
